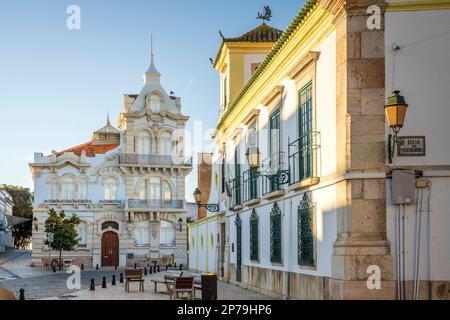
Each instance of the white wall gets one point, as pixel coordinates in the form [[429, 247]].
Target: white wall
[[422, 74], [421, 71]]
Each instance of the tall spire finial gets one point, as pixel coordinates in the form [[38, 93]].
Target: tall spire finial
[[107, 119], [151, 45], [151, 71]]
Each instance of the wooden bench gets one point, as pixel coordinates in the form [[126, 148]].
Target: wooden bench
[[133, 275], [169, 278], [197, 284], [182, 285]]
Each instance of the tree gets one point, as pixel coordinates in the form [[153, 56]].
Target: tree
[[65, 237], [23, 207]]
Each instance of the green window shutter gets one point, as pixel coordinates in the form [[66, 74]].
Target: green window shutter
[[305, 239], [254, 236], [275, 234], [305, 134], [274, 146]]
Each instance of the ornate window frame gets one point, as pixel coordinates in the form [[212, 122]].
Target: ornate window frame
[[306, 233], [276, 235], [254, 236]]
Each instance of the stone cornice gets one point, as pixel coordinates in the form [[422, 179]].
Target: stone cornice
[[164, 113]]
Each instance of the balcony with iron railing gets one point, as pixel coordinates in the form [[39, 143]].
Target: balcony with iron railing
[[274, 173], [302, 157], [154, 160], [155, 204]]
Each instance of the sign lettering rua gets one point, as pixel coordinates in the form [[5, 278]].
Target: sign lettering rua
[[411, 146]]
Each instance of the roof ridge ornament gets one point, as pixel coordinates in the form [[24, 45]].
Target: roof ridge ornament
[[266, 16]]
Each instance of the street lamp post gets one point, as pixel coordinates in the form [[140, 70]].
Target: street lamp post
[[211, 207], [254, 161], [395, 113]]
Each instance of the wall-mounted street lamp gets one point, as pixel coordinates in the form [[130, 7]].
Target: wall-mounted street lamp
[[211, 207], [180, 224], [254, 161], [35, 224], [395, 113]]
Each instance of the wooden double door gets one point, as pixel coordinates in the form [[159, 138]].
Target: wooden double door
[[110, 249]]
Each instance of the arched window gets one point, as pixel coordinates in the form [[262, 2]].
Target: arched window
[[53, 188], [142, 234], [82, 234], [68, 188], [155, 103], [82, 189], [144, 145], [165, 144], [110, 188], [167, 192], [167, 233]]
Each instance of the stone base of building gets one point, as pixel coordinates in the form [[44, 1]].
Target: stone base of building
[[358, 290], [280, 284]]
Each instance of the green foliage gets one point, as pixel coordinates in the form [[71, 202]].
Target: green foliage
[[65, 237], [23, 207]]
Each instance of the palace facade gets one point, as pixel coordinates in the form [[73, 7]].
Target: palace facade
[[126, 184]]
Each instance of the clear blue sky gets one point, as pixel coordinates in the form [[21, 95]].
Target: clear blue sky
[[57, 85]]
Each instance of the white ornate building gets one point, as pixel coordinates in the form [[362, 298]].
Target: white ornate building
[[6, 205], [126, 185]]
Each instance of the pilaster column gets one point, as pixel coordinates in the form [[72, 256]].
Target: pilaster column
[[361, 214]]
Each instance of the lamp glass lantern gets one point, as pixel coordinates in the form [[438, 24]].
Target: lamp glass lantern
[[180, 224], [395, 110], [35, 223], [253, 157], [197, 194]]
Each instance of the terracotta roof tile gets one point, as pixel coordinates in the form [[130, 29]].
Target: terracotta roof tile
[[90, 148], [262, 33]]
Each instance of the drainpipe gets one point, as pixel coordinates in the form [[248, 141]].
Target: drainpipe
[[417, 242], [397, 225], [420, 185]]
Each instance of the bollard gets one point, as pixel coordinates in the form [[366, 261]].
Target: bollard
[[175, 265], [150, 270], [96, 267], [121, 278], [113, 283], [82, 266], [159, 270], [135, 265], [92, 288], [104, 283], [145, 271], [181, 266], [22, 294]]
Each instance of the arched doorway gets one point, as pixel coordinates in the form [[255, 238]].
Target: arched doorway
[[110, 249]]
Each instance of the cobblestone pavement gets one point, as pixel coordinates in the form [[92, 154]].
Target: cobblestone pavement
[[225, 291], [38, 283]]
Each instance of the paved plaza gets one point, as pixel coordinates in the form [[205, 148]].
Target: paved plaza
[[38, 283]]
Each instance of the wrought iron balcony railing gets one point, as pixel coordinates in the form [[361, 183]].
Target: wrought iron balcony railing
[[154, 160], [155, 204], [251, 184], [274, 174], [303, 156]]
